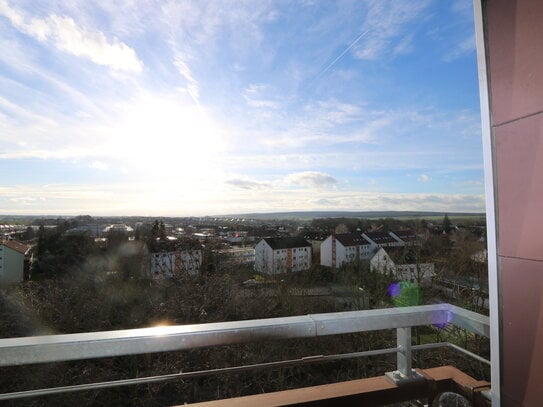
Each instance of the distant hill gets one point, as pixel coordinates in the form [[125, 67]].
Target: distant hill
[[349, 214]]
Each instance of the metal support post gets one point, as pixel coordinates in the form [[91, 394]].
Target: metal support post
[[403, 365], [404, 373]]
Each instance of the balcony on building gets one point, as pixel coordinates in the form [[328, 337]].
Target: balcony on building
[[404, 383]]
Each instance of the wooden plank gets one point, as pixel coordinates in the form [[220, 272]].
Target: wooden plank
[[367, 392]]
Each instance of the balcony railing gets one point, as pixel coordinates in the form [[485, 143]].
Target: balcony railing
[[59, 348]]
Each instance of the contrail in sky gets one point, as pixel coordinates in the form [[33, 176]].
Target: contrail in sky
[[343, 53]]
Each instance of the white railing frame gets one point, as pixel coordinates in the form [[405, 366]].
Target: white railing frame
[[90, 345]]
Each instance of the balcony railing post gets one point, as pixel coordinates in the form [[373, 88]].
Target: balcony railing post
[[403, 365], [404, 372]]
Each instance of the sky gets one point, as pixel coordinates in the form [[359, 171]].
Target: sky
[[191, 108]]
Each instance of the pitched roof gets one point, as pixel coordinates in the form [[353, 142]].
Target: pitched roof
[[381, 237], [286, 242], [352, 239], [406, 235], [17, 246]]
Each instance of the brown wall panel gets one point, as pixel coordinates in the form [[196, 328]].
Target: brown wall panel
[[522, 318], [519, 165], [514, 47], [515, 51]]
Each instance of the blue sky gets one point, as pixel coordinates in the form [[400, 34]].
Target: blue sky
[[209, 107]]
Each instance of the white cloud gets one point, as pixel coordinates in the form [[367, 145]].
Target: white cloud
[[261, 103], [303, 199], [464, 7], [115, 199], [199, 26], [424, 178], [192, 84], [326, 122], [333, 112], [311, 179], [469, 185], [324, 202], [256, 88], [462, 49], [247, 184], [387, 22], [99, 165], [404, 46], [161, 199], [254, 95], [334, 124], [398, 159], [401, 202], [65, 35], [25, 200], [22, 58], [472, 183], [16, 111]]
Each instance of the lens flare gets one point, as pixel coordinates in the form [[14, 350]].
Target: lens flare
[[404, 294], [394, 289], [441, 320]]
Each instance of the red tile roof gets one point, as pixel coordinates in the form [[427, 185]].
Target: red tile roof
[[17, 246]]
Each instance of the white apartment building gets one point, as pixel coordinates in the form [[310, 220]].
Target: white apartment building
[[395, 263], [227, 259], [161, 265], [15, 260], [168, 264], [282, 255], [344, 248], [382, 262]]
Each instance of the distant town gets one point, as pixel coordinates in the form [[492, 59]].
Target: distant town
[[405, 248]]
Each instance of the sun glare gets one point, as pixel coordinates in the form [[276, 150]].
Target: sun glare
[[160, 133]]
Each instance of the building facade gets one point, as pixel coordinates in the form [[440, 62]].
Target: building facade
[[15, 262], [282, 255], [169, 264], [228, 259], [344, 248], [381, 262]]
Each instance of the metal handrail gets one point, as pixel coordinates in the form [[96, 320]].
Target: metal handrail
[[57, 348]]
